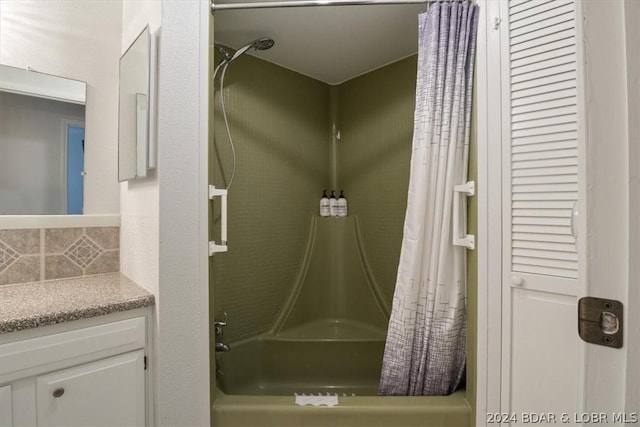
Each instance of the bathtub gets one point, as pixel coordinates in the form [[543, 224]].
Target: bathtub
[[328, 339], [258, 379]]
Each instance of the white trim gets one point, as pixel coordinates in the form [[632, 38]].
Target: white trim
[[503, 71], [607, 183], [581, 238], [152, 141], [12, 222], [632, 40], [203, 203], [482, 248], [489, 216], [42, 85]]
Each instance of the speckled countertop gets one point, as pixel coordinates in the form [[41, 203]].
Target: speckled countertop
[[29, 305]]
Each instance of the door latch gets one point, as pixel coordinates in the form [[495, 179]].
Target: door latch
[[600, 321]]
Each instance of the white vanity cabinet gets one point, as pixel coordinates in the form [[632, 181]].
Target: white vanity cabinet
[[5, 406], [90, 372], [108, 392]]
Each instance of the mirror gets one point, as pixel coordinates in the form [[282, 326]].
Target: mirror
[[41, 143], [134, 112]]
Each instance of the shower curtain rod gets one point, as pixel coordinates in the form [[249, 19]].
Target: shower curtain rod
[[307, 3]]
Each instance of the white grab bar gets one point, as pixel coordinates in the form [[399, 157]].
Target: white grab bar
[[460, 237], [215, 248]]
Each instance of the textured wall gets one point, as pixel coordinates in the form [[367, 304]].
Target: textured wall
[[280, 125], [79, 40], [182, 305], [139, 198], [375, 118]]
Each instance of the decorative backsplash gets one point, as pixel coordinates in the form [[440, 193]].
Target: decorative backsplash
[[30, 255]]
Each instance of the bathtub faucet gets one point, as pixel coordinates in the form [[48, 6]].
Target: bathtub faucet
[[220, 346], [219, 328]]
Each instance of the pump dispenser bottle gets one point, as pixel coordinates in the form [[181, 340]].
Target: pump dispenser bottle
[[324, 204], [333, 204], [342, 204]]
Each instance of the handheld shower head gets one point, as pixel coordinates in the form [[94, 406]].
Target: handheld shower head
[[262, 43]]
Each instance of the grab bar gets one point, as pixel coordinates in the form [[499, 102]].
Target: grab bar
[[214, 192], [460, 237]]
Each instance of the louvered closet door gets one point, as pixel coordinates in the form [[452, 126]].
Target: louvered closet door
[[540, 187]]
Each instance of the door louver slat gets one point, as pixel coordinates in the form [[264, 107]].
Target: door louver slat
[[555, 61], [554, 20], [563, 9], [555, 145], [549, 27]]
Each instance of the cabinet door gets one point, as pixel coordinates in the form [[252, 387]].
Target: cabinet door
[[6, 417], [109, 392]]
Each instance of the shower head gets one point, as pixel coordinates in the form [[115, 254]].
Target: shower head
[[262, 43]]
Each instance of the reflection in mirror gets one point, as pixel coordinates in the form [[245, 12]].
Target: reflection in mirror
[[133, 125], [41, 143], [142, 118]]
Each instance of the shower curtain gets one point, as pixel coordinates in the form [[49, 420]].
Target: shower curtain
[[425, 350]]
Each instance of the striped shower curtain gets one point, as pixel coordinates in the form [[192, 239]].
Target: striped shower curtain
[[426, 350]]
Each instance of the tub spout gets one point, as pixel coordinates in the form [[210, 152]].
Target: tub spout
[[220, 346]]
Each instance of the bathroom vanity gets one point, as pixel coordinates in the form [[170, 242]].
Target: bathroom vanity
[[74, 352]]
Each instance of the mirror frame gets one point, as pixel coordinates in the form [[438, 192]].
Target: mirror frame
[[142, 147], [25, 81], [37, 84]]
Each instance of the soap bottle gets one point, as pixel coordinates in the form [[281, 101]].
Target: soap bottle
[[324, 205], [342, 204], [333, 204]]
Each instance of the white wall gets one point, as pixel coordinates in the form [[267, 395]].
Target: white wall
[[183, 378], [33, 163], [608, 191], [164, 217], [139, 203], [80, 40], [632, 29]]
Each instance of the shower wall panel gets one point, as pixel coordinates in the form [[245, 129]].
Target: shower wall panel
[[280, 126], [375, 119]]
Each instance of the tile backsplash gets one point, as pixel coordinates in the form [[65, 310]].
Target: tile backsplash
[[53, 253]]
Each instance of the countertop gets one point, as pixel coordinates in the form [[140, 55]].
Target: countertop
[[30, 305]]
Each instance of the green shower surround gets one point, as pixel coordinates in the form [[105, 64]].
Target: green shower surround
[[281, 125], [375, 119]]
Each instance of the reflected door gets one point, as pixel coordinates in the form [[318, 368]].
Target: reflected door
[[75, 169]]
